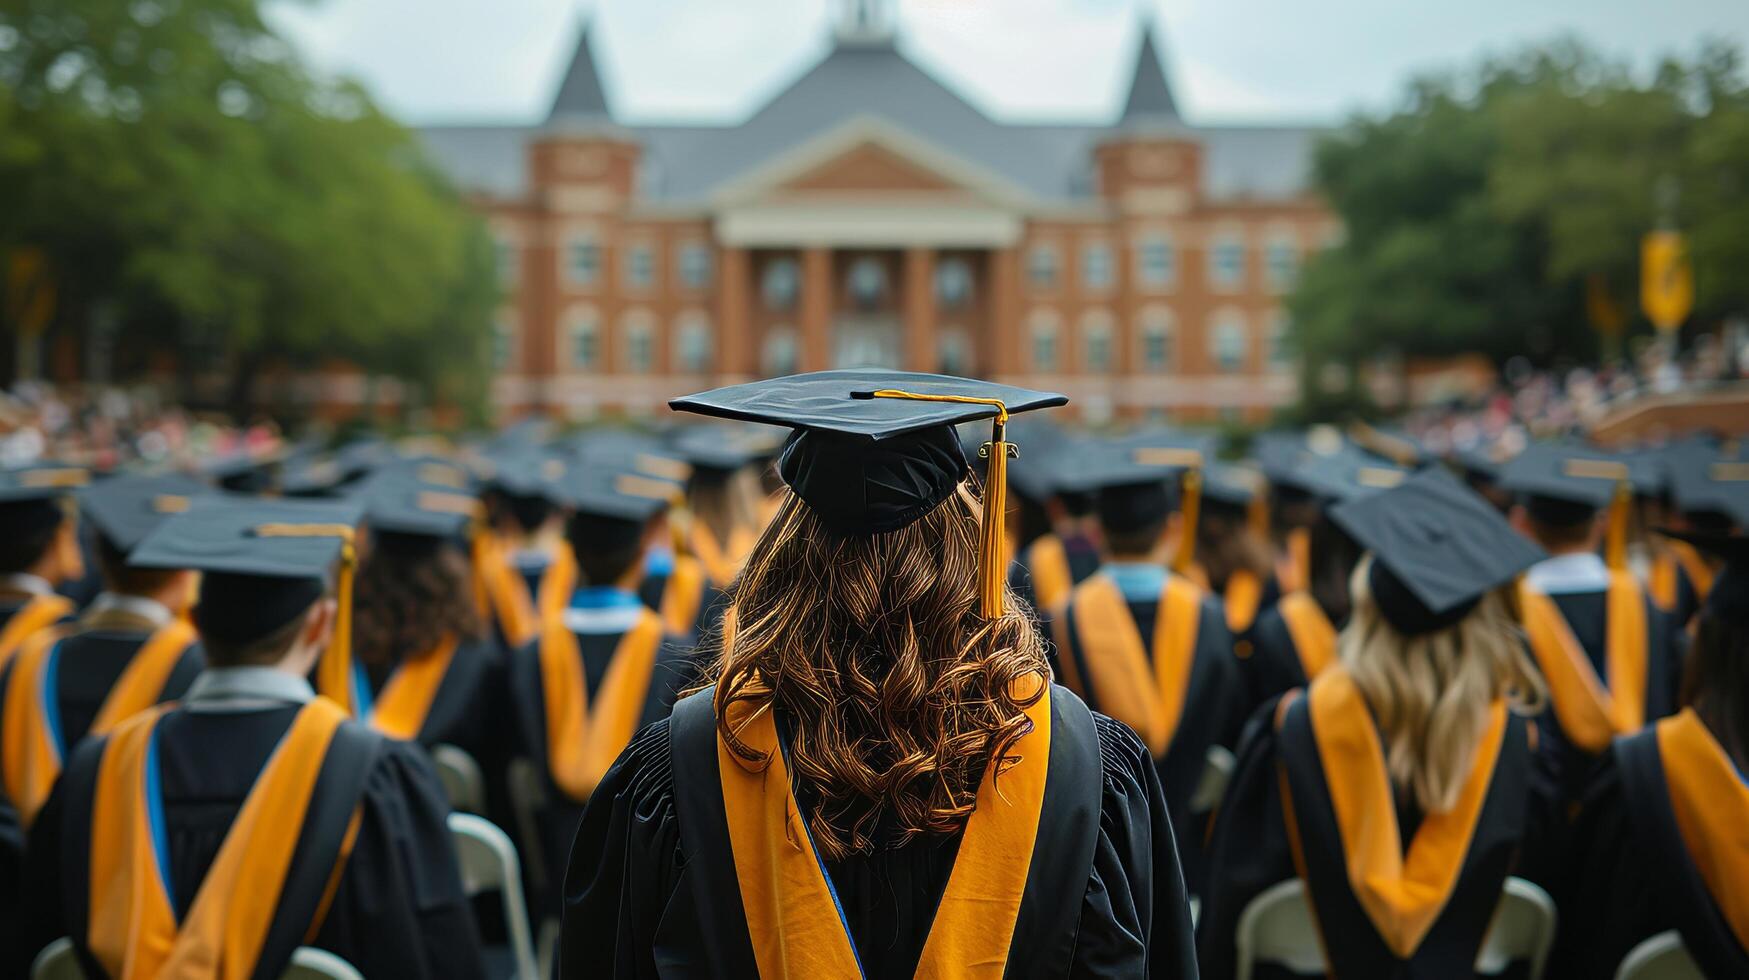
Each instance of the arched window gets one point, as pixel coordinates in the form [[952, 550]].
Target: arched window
[[1156, 340], [779, 354], [1045, 330], [1096, 266], [1041, 266], [692, 340], [1281, 261], [639, 331], [1227, 261], [1228, 340], [582, 260], [1156, 262], [953, 351], [867, 282], [781, 283], [1096, 334], [583, 328], [953, 283]]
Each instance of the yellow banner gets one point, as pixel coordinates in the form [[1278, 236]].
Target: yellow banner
[[1666, 280]]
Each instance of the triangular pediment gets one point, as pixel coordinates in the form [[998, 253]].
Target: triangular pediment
[[869, 166]]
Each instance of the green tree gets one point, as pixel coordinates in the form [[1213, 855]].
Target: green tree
[[182, 170]]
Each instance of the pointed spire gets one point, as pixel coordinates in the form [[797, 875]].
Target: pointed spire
[[1150, 99], [580, 96]]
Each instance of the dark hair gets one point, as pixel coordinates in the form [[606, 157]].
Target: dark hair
[[27, 531], [1034, 521], [528, 513], [1225, 544], [1134, 542], [1559, 535], [1333, 555], [1075, 502], [411, 593], [1715, 681], [898, 690], [122, 578], [261, 651], [606, 547]]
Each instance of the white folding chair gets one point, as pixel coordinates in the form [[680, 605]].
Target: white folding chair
[[1213, 784], [462, 780], [57, 962], [1277, 927], [488, 863], [1522, 931], [528, 795], [1662, 957], [310, 963]]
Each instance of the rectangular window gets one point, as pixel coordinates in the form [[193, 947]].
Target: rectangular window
[[640, 269], [640, 350], [1156, 348], [1096, 271], [585, 345], [582, 261], [1098, 351], [1041, 266], [1282, 263], [504, 251], [1044, 349], [503, 337], [1155, 263], [1227, 264], [695, 265]]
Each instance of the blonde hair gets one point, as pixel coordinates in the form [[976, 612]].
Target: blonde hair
[[726, 503], [1431, 693]]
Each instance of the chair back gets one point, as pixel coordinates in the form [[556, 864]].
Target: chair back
[[462, 780], [1662, 957], [488, 863], [1522, 931], [1213, 783]]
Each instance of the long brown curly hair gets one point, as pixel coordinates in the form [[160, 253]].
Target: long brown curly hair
[[410, 595], [898, 693]]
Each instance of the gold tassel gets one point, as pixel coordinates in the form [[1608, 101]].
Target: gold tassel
[[334, 670], [1615, 544], [993, 546], [1190, 505], [1257, 514]]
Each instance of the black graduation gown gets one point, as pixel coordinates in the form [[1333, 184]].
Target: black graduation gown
[[91, 663], [398, 911], [1587, 615], [1628, 875], [1249, 851], [1213, 714], [462, 710], [641, 898], [674, 671], [1271, 663], [1083, 559]]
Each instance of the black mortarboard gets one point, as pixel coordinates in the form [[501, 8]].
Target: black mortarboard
[[432, 469], [244, 470], [615, 492], [128, 508], [1437, 548], [397, 502], [1131, 491], [875, 450], [1728, 600], [264, 563], [1233, 487], [1347, 475], [1564, 484], [1389, 443], [712, 449], [313, 476], [528, 472], [41, 482], [1708, 483]]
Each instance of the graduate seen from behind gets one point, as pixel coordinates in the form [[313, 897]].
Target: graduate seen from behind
[[1610, 658], [881, 781], [39, 549], [424, 668], [132, 648], [253, 816], [603, 666], [1396, 792], [1658, 844], [1146, 645], [525, 571]]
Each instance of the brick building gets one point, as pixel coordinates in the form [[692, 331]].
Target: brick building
[[868, 215]]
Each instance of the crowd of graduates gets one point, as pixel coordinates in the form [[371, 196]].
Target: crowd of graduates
[[842, 682]]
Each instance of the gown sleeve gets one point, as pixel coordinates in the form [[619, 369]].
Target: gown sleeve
[[1135, 918], [400, 910], [1248, 850], [625, 865], [1605, 891]]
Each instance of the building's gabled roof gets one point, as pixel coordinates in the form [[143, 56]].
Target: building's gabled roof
[[580, 97], [1150, 99], [1052, 163]]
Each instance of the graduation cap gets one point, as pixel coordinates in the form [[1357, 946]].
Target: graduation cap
[[1389, 443], [30, 496], [1728, 600], [525, 472], [126, 509], [1132, 491], [875, 450], [311, 477], [1437, 548], [398, 503], [712, 450], [1710, 485], [616, 493], [244, 470], [1565, 484], [264, 563]]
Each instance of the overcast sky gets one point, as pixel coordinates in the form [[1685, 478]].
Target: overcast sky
[[479, 60]]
